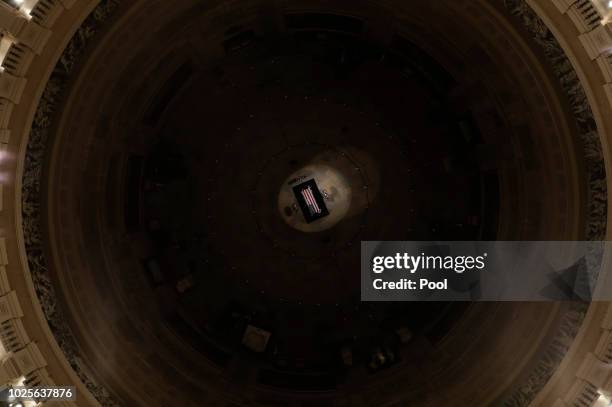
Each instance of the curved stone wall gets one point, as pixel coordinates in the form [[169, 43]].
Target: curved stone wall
[[37, 145], [585, 39], [597, 204], [33, 357], [31, 194]]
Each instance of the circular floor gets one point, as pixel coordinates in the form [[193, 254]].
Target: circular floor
[[219, 176]]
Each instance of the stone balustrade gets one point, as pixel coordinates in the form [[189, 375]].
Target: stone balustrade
[[21, 362], [593, 20], [46, 12], [593, 384]]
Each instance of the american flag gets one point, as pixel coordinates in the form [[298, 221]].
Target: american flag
[[313, 207]]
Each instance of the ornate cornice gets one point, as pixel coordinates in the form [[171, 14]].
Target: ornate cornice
[[38, 143], [590, 142]]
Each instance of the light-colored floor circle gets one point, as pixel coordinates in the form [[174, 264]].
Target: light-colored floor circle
[[334, 188]]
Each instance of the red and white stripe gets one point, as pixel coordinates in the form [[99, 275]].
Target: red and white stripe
[[311, 201]]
